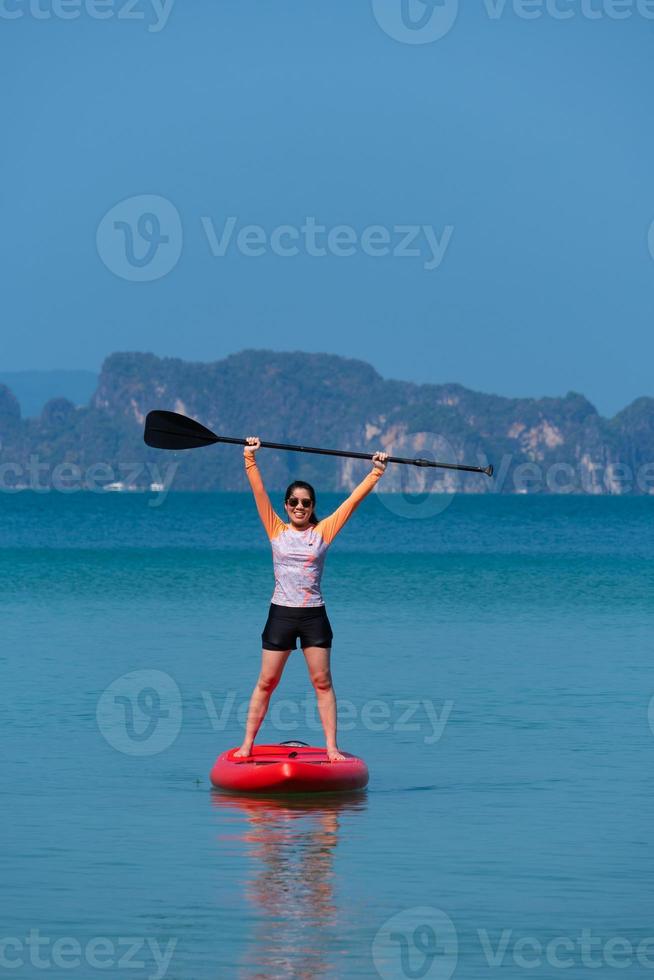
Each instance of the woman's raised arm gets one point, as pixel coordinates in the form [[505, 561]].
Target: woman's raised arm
[[331, 525], [271, 522]]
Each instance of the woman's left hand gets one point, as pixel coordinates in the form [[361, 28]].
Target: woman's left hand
[[379, 461]]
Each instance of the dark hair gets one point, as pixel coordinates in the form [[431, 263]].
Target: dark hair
[[301, 485]]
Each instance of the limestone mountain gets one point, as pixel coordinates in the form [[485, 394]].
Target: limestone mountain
[[324, 400]]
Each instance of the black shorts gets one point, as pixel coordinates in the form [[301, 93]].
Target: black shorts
[[285, 624]]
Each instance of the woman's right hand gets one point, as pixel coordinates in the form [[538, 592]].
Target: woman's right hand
[[253, 443]]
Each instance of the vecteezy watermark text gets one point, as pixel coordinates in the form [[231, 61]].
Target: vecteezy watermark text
[[585, 476], [564, 952], [99, 953], [100, 477], [567, 9], [154, 12], [342, 241], [376, 715]]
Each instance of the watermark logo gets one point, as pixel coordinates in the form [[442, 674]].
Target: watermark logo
[[140, 713], [416, 21], [420, 492], [140, 238], [416, 943]]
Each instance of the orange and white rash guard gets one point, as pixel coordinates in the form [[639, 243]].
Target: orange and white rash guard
[[299, 556]]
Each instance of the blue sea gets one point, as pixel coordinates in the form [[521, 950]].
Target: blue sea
[[493, 663]]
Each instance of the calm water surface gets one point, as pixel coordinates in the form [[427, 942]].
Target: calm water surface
[[493, 663]]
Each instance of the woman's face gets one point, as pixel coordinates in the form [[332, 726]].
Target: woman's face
[[299, 508]]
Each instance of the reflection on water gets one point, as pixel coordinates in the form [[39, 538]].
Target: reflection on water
[[290, 845]]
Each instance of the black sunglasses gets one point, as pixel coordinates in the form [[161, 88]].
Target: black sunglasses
[[295, 501]]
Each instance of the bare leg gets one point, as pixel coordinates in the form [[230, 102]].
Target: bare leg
[[272, 666], [318, 664]]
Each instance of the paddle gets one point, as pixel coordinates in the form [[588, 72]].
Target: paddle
[[169, 430]]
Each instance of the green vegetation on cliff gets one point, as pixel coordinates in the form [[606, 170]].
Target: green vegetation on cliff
[[330, 401]]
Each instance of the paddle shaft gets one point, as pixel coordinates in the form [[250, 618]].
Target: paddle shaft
[[353, 455]]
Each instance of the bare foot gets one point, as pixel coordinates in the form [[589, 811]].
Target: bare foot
[[335, 756], [243, 752]]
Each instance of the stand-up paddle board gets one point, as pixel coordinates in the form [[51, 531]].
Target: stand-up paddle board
[[291, 767]]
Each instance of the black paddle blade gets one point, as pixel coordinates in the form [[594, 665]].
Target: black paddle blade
[[168, 430]]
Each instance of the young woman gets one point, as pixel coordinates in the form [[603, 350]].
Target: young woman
[[297, 608]]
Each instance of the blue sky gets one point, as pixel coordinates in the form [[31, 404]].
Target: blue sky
[[524, 147]]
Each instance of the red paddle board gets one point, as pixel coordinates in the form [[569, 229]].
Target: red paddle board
[[291, 768]]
